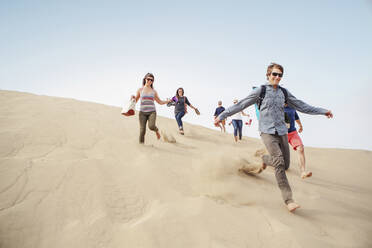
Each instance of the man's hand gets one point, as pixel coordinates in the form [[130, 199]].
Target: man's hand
[[217, 121], [329, 114], [300, 129]]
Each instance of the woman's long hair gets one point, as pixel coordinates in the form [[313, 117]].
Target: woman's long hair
[[146, 76], [183, 92]]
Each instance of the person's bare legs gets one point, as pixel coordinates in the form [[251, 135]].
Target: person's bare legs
[[223, 127], [292, 206], [220, 125], [301, 158], [158, 136]]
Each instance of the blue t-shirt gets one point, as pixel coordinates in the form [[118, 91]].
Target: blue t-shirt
[[219, 110], [292, 115]]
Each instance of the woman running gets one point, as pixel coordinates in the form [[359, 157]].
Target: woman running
[[147, 112]]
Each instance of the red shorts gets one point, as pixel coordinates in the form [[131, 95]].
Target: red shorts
[[294, 140]]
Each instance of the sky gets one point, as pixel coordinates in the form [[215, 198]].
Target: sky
[[99, 51]]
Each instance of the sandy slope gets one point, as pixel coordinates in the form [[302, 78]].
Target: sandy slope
[[73, 175]]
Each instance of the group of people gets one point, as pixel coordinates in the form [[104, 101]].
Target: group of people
[[272, 126], [272, 102], [147, 95], [236, 120]]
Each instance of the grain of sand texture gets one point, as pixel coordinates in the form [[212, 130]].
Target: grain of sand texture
[[72, 174]]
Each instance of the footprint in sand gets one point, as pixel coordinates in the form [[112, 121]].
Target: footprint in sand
[[168, 137], [123, 201], [124, 204]]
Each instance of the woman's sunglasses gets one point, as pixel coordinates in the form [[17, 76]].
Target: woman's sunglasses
[[277, 74], [150, 79]]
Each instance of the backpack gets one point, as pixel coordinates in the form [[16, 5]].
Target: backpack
[[263, 92], [175, 100]]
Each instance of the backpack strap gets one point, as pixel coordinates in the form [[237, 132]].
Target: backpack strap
[[285, 93], [263, 92], [261, 97]]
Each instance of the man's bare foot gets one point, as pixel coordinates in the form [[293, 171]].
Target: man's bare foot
[[263, 166], [158, 135], [306, 174], [292, 206]]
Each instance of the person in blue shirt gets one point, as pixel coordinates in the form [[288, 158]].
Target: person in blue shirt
[[272, 127], [294, 139], [218, 111]]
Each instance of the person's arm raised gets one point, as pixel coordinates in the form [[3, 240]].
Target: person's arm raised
[[306, 108], [244, 114], [242, 104]]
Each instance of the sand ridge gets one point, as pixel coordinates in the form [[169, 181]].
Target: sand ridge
[[72, 174]]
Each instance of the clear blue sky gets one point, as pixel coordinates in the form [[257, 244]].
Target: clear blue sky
[[217, 50]]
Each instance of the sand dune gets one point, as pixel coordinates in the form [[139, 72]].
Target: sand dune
[[72, 174]]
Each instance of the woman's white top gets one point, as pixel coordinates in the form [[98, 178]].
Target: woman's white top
[[237, 116]]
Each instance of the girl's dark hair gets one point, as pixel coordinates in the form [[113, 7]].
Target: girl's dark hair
[[183, 92], [147, 76]]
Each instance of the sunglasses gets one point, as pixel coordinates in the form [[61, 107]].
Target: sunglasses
[[277, 74], [150, 79]]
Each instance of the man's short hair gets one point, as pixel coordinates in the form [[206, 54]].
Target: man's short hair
[[271, 67]]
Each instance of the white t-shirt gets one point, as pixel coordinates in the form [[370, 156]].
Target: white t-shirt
[[237, 116]]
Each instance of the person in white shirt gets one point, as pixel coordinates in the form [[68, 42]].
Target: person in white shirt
[[237, 122]]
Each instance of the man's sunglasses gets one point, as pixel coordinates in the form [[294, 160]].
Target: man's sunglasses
[[277, 74]]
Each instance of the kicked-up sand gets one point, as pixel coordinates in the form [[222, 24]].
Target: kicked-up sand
[[72, 174]]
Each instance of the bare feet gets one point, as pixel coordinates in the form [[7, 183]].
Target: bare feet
[[306, 174], [158, 135], [263, 166], [292, 206], [181, 130]]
